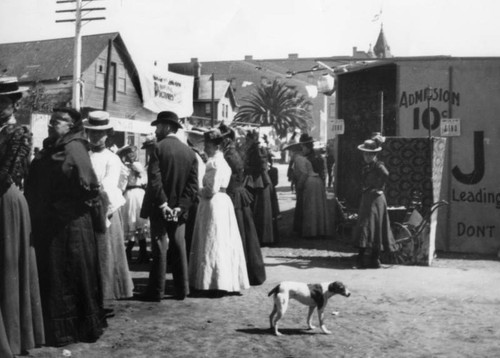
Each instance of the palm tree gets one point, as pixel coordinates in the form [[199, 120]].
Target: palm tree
[[276, 105]]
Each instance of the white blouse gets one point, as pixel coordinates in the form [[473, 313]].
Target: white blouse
[[217, 175], [108, 168]]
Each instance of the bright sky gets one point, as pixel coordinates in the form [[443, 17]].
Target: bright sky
[[177, 30]]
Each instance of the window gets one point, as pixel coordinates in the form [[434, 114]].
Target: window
[[122, 79], [208, 107], [100, 73]]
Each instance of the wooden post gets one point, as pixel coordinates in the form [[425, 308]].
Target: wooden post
[[77, 57], [106, 78]]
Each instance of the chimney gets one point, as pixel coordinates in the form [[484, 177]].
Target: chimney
[[293, 56], [196, 74], [248, 57], [354, 51]]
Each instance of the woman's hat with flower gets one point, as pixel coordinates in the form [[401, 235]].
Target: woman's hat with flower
[[214, 136], [125, 150], [149, 141]]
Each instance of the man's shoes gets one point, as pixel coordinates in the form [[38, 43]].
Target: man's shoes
[[146, 298]]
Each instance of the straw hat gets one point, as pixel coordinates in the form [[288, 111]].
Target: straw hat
[[98, 121], [370, 146], [9, 85]]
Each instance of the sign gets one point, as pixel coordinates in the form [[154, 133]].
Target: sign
[[167, 91], [450, 127], [131, 126], [338, 126]]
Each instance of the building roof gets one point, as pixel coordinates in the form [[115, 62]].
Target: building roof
[[244, 75], [48, 60]]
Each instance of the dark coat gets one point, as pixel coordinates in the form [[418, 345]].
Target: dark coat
[[172, 178]]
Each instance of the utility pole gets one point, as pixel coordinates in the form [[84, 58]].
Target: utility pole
[[381, 112], [77, 49], [213, 100]]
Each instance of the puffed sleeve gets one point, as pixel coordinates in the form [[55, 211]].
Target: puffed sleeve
[[211, 180], [110, 183]]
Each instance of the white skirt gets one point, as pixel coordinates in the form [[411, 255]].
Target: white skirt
[[217, 259], [132, 220]]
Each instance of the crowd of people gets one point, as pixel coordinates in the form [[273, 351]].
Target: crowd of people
[[72, 214]]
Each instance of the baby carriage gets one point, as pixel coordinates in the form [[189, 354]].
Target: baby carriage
[[411, 237]]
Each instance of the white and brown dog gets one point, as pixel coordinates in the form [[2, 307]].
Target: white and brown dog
[[312, 295]]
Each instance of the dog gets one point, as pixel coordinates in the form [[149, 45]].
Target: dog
[[312, 295]]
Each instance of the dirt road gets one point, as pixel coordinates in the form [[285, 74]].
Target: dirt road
[[447, 310]]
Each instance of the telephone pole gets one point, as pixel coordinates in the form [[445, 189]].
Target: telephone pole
[[80, 8]]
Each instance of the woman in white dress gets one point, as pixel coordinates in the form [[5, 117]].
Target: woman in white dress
[[115, 276], [217, 259], [135, 227]]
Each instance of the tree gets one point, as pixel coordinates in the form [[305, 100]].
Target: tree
[[276, 105]]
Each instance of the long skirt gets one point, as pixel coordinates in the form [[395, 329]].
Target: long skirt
[[115, 275], [373, 229], [21, 321], [263, 214], [253, 254], [69, 281], [217, 259], [315, 219]]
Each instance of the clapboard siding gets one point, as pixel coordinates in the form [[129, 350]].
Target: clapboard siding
[[127, 105]]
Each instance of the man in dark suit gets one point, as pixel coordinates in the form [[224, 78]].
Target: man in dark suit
[[172, 188]]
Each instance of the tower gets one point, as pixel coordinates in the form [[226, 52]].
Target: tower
[[381, 48]]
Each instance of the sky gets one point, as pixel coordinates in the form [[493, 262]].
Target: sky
[[169, 31]]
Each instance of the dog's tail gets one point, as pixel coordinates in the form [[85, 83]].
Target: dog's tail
[[274, 291]]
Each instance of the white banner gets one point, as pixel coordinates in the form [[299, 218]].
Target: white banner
[[131, 126], [167, 91]]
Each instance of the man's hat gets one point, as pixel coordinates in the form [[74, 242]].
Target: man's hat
[[98, 121], [167, 117], [9, 85]]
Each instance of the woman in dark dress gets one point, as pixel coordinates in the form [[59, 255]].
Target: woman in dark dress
[[62, 190], [21, 321], [373, 229], [259, 184], [242, 201]]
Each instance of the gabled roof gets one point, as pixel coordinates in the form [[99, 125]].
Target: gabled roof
[[221, 88], [382, 48], [48, 60], [205, 89]]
